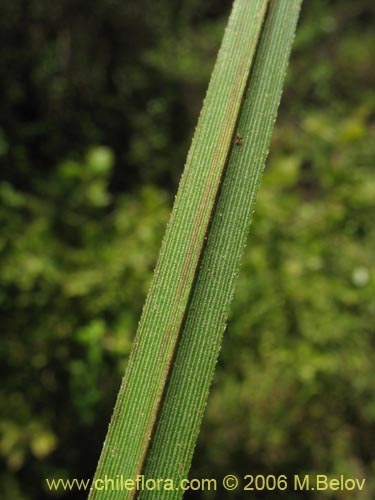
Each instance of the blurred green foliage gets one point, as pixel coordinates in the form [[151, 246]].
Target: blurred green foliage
[[99, 100]]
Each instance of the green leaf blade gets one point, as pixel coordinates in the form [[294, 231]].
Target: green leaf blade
[[161, 401], [136, 408]]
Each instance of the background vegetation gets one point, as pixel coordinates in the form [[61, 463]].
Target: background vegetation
[[98, 104]]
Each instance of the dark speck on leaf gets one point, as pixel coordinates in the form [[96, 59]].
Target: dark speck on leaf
[[239, 140]]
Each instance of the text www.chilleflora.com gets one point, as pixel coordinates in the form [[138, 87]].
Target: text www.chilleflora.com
[[231, 482], [121, 483]]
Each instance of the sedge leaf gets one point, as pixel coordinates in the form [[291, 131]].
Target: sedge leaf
[[161, 401]]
